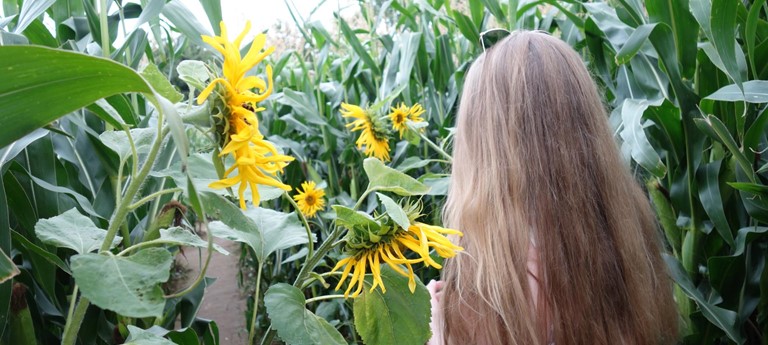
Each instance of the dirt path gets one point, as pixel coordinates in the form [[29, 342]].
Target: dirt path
[[223, 301]]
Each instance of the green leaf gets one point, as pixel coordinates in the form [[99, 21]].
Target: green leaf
[[30, 10], [685, 32], [262, 229], [709, 194], [384, 178], [138, 336], [160, 83], [634, 43], [212, 10], [755, 91], [293, 322], [185, 237], [718, 21], [193, 72], [753, 188], [117, 141], [722, 318], [125, 285], [634, 136], [361, 52], [716, 129], [350, 219], [74, 231], [41, 84], [395, 211], [22, 242], [186, 22], [750, 32], [395, 317], [467, 28], [176, 125], [438, 184], [7, 269]]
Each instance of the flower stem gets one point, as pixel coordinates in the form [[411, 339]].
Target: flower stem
[[320, 298], [310, 244], [201, 276], [152, 196], [251, 333], [74, 322], [362, 197], [435, 147]]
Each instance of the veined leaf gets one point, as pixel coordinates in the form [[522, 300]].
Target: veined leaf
[[125, 285], [30, 10], [634, 135], [384, 178], [350, 218], [634, 43], [395, 211], [138, 336], [74, 231], [395, 317], [8, 269], [294, 323]]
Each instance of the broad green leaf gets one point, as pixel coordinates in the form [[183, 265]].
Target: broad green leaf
[[718, 21], [395, 211], [414, 162], [82, 201], [709, 194], [125, 285], [262, 229], [185, 237], [176, 125], [193, 72], [722, 318], [160, 83], [74, 231], [294, 323], [8, 269], [685, 32], [41, 84], [384, 178], [117, 140], [634, 43], [467, 28], [634, 136], [138, 336], [395, 317], [150, 12], [755, 91], [438, 183], [30, 10], [350, 218]]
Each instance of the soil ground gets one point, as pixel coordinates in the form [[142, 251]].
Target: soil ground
[[223, 301]]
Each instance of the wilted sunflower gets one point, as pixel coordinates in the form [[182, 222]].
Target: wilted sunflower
[[368, 248], [257, 161], [402, 113], [374, 135], [310, 200]]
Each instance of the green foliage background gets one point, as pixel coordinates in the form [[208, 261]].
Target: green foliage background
[[684, 80]]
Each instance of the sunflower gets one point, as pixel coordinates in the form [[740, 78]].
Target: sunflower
[[374, 135], [402, 113], [257, 161], [310, 200], [369, 250]]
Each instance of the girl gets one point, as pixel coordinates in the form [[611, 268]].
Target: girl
[[560, 243]]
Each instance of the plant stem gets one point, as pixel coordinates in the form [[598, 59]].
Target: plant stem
[[311, 244], [74, 322], [321, 298], [201, 276], [72, 326], [435, 147], [362, 197], [252, 331], [149, 198], [104, 28]]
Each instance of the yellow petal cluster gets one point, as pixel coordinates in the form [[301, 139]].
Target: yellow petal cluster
[[419, 238], [402, 113], [373, 137], [257, 161], [310, 199]]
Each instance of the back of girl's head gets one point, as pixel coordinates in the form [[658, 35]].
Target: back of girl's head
[[535, 164]]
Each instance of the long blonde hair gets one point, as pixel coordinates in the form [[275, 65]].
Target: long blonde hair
[[535, 164]]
